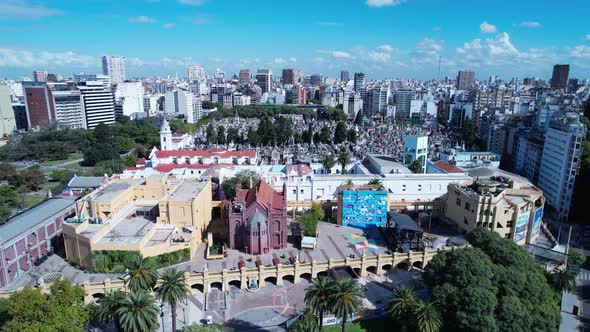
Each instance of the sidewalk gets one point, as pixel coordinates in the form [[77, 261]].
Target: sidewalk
[[569, 322]]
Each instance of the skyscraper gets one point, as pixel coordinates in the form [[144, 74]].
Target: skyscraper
[[114, 66], [264, 79], [291, 76], [7, 121], [39, 105], [560, 76], [195, 72], [245, 76], [560, 162], [180, 102], [40, 75], [344, 76], [359, 81], [98, 104], [465, 79]]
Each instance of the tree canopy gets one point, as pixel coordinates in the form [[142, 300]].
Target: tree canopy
[[495, 285], [244, 178]]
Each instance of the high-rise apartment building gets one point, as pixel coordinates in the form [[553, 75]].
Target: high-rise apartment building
[[129, 99], [560, 76], [114, 66], [376, 102], [98, 104], [264, 79], [403, 99], [352, 105], [39, 105], [292, 76], [465, 80], [40, 75], [195, 72], [7, 121], [344, 76], [180, 103], [359, 81], [560, 163], [245, 76], [316, 79]]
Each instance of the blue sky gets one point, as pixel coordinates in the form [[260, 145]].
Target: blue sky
[[383, 38]]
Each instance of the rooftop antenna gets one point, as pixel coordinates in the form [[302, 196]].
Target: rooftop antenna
[[438, 76]]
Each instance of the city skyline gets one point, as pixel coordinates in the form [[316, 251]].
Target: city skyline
[[382, 38]]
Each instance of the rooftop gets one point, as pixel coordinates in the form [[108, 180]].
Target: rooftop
[[186, 191], [29, 219], [131, 229], [111, 191]]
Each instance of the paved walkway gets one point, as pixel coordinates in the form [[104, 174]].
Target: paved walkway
[[580, 298]]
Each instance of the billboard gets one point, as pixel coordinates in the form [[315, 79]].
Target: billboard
[[537, 221], [363, 208], [521, 226]]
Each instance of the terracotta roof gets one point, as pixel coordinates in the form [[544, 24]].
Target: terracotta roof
[[262, 193], [204, 153], [448, 168], [300, 169]]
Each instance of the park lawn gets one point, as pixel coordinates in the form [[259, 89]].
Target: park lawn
[[32, 200], [367, 325], [72, 157]]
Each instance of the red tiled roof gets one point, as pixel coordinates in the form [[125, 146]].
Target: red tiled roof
[[448, 167], [301, 169], [140, 161], [262, 193], [204, 153]]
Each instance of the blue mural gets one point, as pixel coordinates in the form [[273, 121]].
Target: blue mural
[[364, 208]]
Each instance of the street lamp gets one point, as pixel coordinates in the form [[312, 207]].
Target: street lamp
[[162, 316]]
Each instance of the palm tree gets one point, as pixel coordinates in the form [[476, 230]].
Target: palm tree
[[347, 299], [108, 305], [328, 162], [172, 290], [401, 305], [427, 316], [563, 280], [142, 275], [138, 313], [305, 323], [343, 159], [317, 296], [375, 182]]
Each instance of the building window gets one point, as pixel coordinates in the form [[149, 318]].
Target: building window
[[419, 187], [294, 191], [403, 187], [467, 206], [458, 201]]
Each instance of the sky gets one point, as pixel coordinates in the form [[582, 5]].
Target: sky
[[382, 38]]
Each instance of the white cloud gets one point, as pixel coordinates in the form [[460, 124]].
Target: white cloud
[[485, 27], [21, 9], [428, 47], [293, 59], [587, 37], [580, 52], [385, 48], [383, 3], [529, 24], [169, 25], [191, 2], [201, 19], [437, 28], [142, 19], [44, 59], [280, 61], [336, 54]]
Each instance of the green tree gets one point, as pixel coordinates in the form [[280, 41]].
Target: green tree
[[576, 257], [347, 299], [33, 178], [221, 135], [138, 313], [351, 136], [107, 306], [244, 178], [328, 162], [142, 275], [324, 135], [401, 305], [253, 137], [211, 134], [340, 133], [6, 170], [172, 290], [343, 159], [427, 316], [178, 126], [318, 297], [467, 132], [358, 120], [305, 323], [416, 167], [310, 219], [62, 309], [233, 135], [563, 279]]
